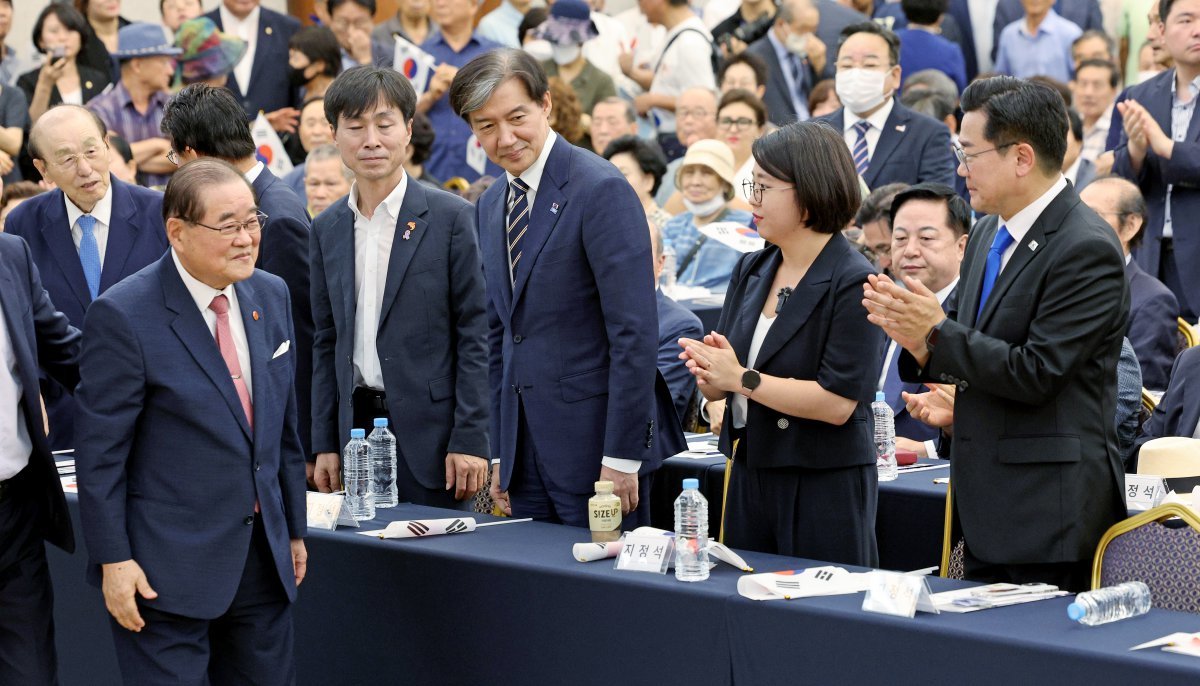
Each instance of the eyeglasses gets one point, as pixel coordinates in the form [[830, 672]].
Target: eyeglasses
[[965, 159], [250, 226], [92, 155], [173, 157], [363, 24], [739, 123], [687, 113], [754, 191]]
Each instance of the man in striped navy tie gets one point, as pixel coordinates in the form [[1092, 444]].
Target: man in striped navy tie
[[576, 395]]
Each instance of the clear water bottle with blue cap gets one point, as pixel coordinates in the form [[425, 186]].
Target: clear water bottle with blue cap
[[885, 438], [356, 477], [1110, 604], [383, 464], [691, 533]]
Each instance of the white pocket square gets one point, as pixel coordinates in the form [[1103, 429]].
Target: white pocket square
[[283, 348]]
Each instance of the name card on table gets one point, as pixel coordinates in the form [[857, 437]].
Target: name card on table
[[646, 553], [325, 511], [901, 595], [1144, 491]]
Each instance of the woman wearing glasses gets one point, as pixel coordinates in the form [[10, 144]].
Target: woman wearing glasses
[[793, 359], [741, 118]]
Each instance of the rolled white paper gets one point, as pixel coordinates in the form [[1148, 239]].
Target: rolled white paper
[[419, 528], [590, 552]]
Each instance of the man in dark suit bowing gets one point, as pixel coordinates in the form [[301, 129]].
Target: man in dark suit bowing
[[191, 478], [86, 235], [203, 121], [1032, 347], [889, 142], [566, 251], [260, 79], [1178, 411], [398, 302], [929, 233], [33, 335]]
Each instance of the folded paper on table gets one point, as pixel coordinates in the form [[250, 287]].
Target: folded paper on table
[[1175, 640], [591, 552], [418, 528], [992, 596], [803, 583]]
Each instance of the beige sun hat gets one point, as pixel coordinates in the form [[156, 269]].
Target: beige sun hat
[[713, 154]]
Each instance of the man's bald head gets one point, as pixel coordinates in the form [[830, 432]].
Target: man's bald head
[[1120, 203], [68, 147], [696, 115], [57, 117]]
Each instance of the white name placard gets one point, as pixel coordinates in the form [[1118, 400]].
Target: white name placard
[[1144, 491], [645, 553]]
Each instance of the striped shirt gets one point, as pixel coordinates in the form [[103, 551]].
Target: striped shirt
[[116, 109]]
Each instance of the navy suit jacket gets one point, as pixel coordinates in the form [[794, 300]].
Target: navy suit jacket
[[269, 89], [961, 14], [573, 341], [912, 148], [674, 322], [283, 251], [41, 338], [432, 336], [136, 238], [169, 468], [1153, 325], [777, 97], [1182, 171], [1178, 411]]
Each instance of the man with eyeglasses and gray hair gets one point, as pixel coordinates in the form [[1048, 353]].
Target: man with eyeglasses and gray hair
[[191, 473], [87, 234]]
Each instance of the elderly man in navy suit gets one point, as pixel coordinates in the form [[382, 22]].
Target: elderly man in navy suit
[[260, 79], [398, 302], [889, 142], [674, 322], [576, 396], [86, 235], [1160, 152], [33, 335], [1153, 309], [191, 476], [203, 121]]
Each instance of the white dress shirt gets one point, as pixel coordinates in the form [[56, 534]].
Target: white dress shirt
[[983, 13], [686, 64], [878, 120], [373, 240], [1023, 221], [255, 172], [203, 294], [103, 214], [15, 444], [247, 30]]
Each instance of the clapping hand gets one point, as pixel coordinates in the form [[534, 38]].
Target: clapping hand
[[713, 362]]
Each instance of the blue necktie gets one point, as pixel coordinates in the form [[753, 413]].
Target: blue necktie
[[518, 222], [801, 97], [862, 154], [991, 270], [89, 254]]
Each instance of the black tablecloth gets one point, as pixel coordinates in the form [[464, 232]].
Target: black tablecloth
[[508, 604], [908, 524]]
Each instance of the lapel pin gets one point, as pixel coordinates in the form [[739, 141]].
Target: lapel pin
[[1033, 245], [87, 85], [268, 30], [412, 226], [553, 208], [901, 127], [255, 315]]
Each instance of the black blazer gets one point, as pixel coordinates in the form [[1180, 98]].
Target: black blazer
[[777, 98], [1036, 469], [822, 334], [1178, 411], [432, 338], [283, 251], [1153, 325], [269, 89], [41, 338], [91, 81]]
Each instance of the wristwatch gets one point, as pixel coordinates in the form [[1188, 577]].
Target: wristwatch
[[931, 338], [750, 381]]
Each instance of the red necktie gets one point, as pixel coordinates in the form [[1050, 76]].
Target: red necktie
[[220, 305]]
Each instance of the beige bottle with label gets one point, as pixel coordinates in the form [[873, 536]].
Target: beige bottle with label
[[604, 514]]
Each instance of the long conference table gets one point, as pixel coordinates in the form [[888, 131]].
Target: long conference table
[[509, 605]]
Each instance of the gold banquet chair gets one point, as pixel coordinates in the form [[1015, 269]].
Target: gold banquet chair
[[1159, 547], [1146, 411], [952, 542], [1186, 337]]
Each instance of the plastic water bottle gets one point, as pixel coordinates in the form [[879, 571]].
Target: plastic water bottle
[[1110, 604], [383, 465], [885, 438], [356, 477], [691, 533]]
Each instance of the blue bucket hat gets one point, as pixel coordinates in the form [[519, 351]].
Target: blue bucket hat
[[142, 39], [570, 22]]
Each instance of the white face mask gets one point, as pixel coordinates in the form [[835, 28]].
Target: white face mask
[[860, 90], [703, 209], [565, 54], [539, 49], [797, 45]]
